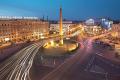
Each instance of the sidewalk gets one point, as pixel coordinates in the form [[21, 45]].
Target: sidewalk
[[5, 45]]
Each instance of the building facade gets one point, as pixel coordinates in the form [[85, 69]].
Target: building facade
[[93, 30], [116, 30], [22, 29], [90, 22], [66, 26]]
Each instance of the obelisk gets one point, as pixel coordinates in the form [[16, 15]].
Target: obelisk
[[61, 27]]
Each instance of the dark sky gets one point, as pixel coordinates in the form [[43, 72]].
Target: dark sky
[[72, 9]]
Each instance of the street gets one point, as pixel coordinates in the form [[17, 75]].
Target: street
[[18, 66], [75, 67]]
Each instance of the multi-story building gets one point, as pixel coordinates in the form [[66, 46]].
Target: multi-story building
[[116, 30], [93, 29], [66, 26], [90, 22], [22, 29]]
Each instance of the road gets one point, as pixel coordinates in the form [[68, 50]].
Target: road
[[71, 63], [74, 67], [18, 66]]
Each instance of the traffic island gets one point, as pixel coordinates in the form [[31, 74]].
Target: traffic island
[[54, 48]]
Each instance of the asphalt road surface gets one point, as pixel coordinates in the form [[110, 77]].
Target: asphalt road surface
[[74, 67], [18, 66]]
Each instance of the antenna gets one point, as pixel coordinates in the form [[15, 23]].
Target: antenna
[[47, 18]]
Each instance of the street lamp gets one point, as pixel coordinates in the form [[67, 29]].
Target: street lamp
[[7, 39], [41, 34]]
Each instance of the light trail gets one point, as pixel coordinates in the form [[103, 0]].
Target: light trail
[[18, 66]]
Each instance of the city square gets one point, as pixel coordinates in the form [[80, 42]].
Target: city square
[[59, 41]]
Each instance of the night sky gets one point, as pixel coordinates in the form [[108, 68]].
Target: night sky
[[72, 9]]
